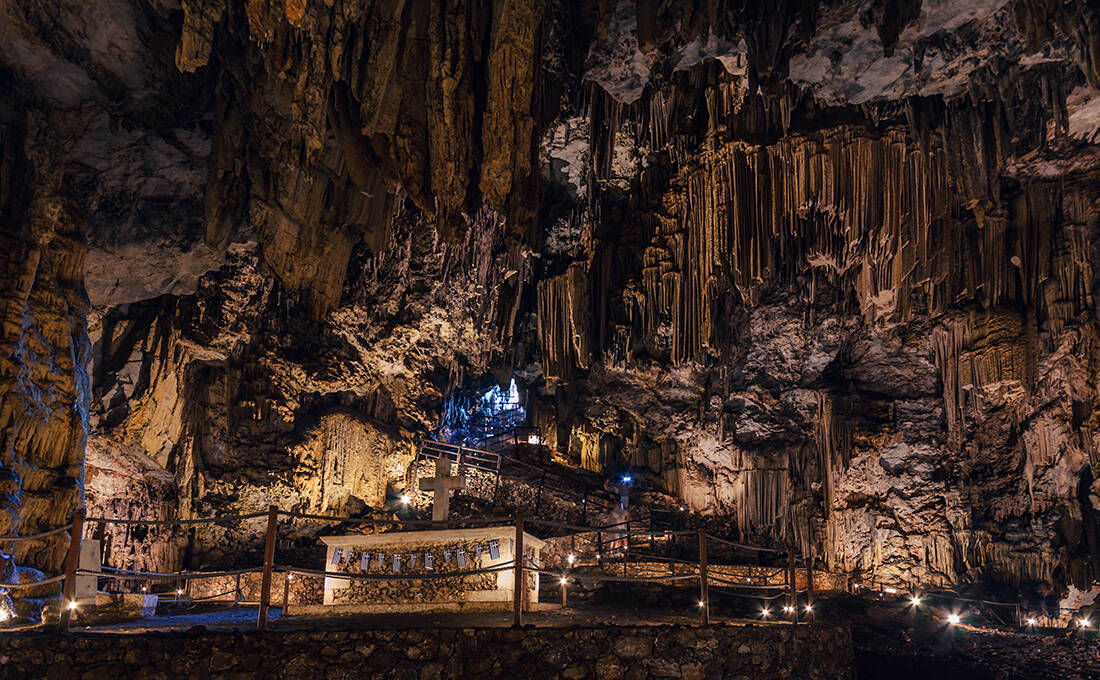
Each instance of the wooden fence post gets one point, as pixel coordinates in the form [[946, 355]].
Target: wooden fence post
[[72, 562], [269, 561], [517, 580], [793, 588], [704, 600], [809, 565]]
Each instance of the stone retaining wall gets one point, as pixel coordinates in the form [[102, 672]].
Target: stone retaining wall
[[760, 652]]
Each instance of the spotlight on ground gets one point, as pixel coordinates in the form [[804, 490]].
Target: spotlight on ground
[[702, 604], [809, 609], [788, 608], [570, 559], [915, 600], [890, 591], [405, 499], [1032, 622], [72, 605], [4, 615], [627, 479], [1085, 623], [954, 619], [765, 612]]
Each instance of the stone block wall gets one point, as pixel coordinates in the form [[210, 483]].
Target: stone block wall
[[761, 652]]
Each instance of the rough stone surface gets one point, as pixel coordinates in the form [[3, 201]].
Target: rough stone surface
[[821, 651]]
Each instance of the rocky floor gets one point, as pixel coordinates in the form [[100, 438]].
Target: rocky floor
[[889, 641], [900, 648]]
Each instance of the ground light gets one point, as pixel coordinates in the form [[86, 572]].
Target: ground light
[[627, 479], [915, 600], [954, 619], [765, 612], [702, 604], [809, 608], [570, 559], [563, 580], [4, 615], [405, 499], [1031, 622], [72, 605], [788, 608], [1085, 623]]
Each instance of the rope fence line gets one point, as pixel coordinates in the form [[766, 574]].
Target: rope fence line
[[43, 582], [743, 546], [619, 537], [176, 522], [128, 575], [35, 537]]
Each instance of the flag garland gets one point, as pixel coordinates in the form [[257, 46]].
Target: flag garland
[[369, 561]]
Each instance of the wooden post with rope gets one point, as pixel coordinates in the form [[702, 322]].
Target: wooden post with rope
[[704, 600], [517, 579], [792, 590], [72, 562], [809, 564], [269, 562]]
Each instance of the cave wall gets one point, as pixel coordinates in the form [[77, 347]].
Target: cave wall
[[822, 270]]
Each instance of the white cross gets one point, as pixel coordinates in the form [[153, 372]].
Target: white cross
[[441, 486]]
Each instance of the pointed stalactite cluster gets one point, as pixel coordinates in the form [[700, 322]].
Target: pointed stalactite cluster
[[325, 111], [565, 322]]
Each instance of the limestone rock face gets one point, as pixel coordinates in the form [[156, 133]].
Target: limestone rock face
[[824, 271]]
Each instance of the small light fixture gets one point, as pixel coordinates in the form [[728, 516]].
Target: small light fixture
[[72, 605], [788, 608], [1085, 623], [4, 615], [405, 499], [597, 556], [627, 479], [290, 577], [765, 612], [682, 508], [179, 591], [954, 619], [809, 608], [890, 591], [915, 600], [563, 580], [1031, 622], [570, 559], [145, 589], [702, 604]]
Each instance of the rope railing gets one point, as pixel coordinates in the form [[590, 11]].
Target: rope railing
[[176, 522], [35, 584], [35, 537], [132, 575], [618, 544]]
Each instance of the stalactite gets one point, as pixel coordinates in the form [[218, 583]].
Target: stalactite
[[564, 321]]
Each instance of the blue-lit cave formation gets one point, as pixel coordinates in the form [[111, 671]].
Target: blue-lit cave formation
[[473, 419]]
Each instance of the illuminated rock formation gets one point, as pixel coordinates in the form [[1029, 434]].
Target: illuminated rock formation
[[825, 272]]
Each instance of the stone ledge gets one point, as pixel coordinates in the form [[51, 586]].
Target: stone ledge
[[817, 651]]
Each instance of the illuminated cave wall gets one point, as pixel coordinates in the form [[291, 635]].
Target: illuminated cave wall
[[824, 271]]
